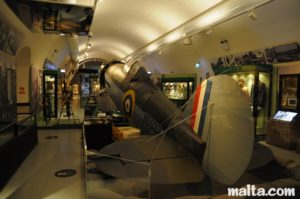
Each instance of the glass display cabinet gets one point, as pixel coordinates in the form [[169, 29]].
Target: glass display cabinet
[[178, 88], [7, 132], [25, 122], [256, 84], [89, 84], [17, 140], [8, 108], [289, 93], [50, 82]]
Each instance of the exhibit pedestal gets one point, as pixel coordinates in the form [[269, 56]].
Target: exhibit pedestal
[[97, 133], [281, 134]]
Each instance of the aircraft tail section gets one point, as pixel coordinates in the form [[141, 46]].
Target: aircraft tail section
[[221, 116]]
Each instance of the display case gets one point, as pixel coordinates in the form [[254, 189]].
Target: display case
[[281, 129], [178, 88], [89, 84], [289, 92], [97, 132], [7, 132], [24, 123], [50, 82], [8, 108], [256, 84], [17, 140]]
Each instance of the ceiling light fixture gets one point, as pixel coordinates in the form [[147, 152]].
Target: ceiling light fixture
[[187, 41], [252, 15], [208, 31], [153, 47], [173, 37]]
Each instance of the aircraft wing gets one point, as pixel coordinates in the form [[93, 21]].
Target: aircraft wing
[[133, 158]]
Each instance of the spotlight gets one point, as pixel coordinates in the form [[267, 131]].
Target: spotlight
[[252, 15], [208, 32], [187, 41]]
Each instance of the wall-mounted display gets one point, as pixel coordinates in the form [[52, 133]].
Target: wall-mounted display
[[277, 54]]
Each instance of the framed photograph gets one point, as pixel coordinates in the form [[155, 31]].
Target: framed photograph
[[3, 35]]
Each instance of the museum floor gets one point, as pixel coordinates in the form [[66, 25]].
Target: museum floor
[[60, 149], [36, 178]]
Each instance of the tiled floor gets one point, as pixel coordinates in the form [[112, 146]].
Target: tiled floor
[[35, 178], [62, 119], [284, 153]]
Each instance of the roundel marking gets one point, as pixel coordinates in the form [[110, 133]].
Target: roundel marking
[[129, 102]]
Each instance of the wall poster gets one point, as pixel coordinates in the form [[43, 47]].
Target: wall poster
[[9, 40]]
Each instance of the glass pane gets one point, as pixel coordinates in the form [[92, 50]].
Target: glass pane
[[289, 93], [50, 94], [6, 132], [246, 82], [176, 90]]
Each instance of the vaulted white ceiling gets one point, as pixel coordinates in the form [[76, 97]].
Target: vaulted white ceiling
[[122, 28]]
